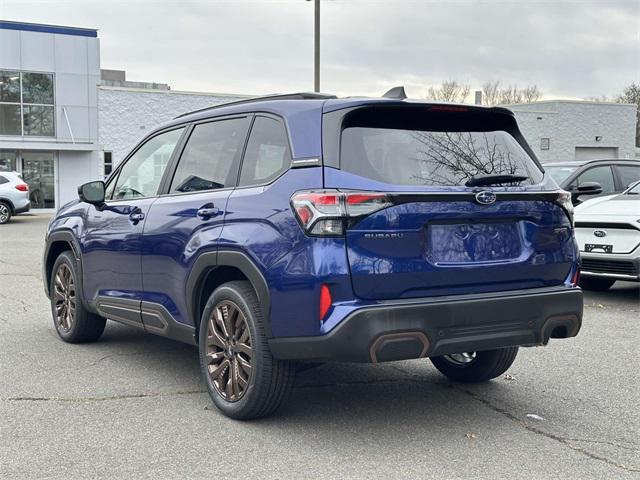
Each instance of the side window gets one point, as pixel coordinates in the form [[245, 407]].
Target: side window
[[603, 175], [3, 180], [628, 174], [267, 154], [141, 175], [210, 158]]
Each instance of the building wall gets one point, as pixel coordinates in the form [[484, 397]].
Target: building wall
[[74, 169], [75, 63], [126, 115], [73, 57], [570, 124]]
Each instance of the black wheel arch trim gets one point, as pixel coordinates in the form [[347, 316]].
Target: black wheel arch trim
[[67, 237], [9, 203], [227, 258]]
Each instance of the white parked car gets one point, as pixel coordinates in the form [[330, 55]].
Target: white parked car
[[608, 234], [14, 196]]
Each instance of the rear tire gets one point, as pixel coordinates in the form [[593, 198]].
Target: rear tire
[[73, 322], [243, 379], [5, 213], [596, 284], [476, 367]]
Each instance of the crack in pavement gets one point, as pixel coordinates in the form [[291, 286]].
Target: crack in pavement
[[563, 440], [148, 352], [100, 399], [552, 436]]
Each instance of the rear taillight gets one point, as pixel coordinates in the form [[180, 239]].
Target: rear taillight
[[325, 213], [564, 200], [23, 187]]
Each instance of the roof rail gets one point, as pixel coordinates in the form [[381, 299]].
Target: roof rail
[[287, 96]]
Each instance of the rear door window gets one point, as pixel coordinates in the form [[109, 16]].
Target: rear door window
[[3, 180], [628, 174], [211, 157], [602, 175], [267, 154]]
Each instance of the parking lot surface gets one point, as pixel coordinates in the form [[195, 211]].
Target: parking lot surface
[[133, 405]]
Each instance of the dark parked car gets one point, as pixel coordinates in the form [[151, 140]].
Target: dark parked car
[[311, 228], [591, 178]]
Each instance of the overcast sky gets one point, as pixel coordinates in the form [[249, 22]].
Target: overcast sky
[[570, 49]]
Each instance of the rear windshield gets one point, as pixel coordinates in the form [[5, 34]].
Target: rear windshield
[[421, 157]]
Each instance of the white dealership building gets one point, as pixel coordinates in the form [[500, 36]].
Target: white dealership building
[[64, 121]]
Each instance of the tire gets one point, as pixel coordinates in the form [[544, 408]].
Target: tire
[[73, 322], [482, 367], [5, 213], [228, 345], [597, 284]]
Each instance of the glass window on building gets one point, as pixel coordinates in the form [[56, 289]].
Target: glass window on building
[[27, 104], [7, 161], [108, 164], [38, 173]]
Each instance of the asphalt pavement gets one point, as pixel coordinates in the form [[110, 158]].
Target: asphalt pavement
[[133, 405]]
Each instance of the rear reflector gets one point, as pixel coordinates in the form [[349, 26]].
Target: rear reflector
[[23, 187], [576, 278], [325, 301]]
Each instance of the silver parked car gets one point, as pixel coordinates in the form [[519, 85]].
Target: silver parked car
[[14, 196], [608, 233]]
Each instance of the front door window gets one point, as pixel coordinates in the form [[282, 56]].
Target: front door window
[[38, 173]]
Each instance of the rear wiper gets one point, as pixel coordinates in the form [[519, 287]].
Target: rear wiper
[[480, 180]]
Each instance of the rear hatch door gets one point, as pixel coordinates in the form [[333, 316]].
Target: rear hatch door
[[450, 228]]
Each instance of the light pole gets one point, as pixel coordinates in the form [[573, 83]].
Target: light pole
[[316, 45]]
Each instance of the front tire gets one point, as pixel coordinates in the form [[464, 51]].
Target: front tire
[[243, 379], [73, 322], [475, 367], [5, 213], [596, 284]]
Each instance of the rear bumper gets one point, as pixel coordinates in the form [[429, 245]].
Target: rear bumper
[[23, 209], [439, 326]]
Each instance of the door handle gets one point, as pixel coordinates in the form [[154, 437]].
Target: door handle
[[207, 211], [136, 217]]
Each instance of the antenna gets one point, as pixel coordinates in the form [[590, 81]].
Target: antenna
[[397, 93]]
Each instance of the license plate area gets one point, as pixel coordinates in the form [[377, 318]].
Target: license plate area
[[598, 247], [464, 243]]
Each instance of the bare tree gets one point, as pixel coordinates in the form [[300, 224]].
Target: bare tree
[[451, 158], [495, 94], [449, 91], [631, 94]]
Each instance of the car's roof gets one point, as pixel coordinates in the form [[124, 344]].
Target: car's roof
[[10, 174], [291, 104], [579, 163]]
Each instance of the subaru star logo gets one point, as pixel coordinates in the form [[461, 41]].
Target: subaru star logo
[[485, 197], [600, 233]]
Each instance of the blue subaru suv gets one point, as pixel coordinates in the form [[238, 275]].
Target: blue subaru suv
[[307, 227]]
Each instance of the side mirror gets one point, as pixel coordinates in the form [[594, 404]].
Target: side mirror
[[589, 188], [585, 188], [92, 192]]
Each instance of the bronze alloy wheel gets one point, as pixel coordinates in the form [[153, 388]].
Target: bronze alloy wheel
[[64, 297], [229, 351]]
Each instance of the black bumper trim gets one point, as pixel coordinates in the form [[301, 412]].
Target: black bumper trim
[[452, 325]]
